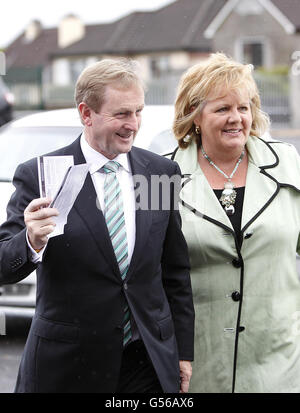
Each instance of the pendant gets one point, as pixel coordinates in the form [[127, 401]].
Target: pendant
[[229, 210], [228, 198]]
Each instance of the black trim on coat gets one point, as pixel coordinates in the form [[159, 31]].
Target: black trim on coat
[[238, 247]]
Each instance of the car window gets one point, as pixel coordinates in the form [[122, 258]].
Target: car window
[[163, 143], [18, 145]]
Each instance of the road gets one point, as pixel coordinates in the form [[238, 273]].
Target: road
[[11, 348]]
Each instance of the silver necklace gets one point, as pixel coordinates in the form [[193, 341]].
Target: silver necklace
[[228, 196]]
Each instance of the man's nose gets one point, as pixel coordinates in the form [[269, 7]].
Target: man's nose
[[133, 123]]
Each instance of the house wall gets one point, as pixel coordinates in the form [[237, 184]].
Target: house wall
[[278, 44]]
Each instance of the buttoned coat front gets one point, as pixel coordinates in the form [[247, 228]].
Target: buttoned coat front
[[75, 342], [247, 299]]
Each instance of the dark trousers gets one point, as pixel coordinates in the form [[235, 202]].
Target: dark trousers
[[137, 374]]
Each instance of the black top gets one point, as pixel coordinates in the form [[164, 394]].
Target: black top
[[236, 218]]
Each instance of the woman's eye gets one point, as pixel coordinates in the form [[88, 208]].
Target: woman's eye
[[244, 108], [222, 109]]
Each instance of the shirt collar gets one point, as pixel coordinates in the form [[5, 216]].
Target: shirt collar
[[97, 160]]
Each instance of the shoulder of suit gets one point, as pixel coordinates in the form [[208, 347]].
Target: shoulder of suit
[[284, 150], [153, 157]]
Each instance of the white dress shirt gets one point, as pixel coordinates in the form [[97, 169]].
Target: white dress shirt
[[124, 176]]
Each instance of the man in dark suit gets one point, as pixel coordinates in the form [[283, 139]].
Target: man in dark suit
[[114, 310]]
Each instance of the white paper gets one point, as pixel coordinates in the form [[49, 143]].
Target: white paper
[[67, 196], [61, 181], [52, 170]]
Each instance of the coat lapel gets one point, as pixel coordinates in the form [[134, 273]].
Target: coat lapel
[[261, 186], [196, 191]]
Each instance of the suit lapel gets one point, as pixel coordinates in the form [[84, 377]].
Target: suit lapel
[[86, 206], [143, 217]]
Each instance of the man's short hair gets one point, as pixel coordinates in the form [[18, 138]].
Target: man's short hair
[[91, 84]]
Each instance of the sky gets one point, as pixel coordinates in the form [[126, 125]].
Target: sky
[[15, 15]]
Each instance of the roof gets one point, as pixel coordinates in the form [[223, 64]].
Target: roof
[[35, 53], [182, 25], [96, 36], [291, 10], [286, 12], [177, 26]]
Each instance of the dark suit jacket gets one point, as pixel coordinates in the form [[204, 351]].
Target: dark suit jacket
[[75, 340]]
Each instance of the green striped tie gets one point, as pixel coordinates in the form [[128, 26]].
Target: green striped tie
[[114, 217]]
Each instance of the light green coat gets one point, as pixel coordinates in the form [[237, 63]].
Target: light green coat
[[250, 345]]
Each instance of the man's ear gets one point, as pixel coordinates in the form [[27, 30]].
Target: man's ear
[[85, 113]]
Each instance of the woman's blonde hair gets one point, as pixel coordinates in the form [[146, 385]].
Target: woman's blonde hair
[[218, 74]]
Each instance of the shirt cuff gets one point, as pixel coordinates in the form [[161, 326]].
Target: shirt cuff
[[34, 256]]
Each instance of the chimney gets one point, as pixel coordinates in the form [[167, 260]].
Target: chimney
[[70, 30], [33, 30]]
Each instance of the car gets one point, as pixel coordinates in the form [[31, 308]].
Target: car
[[43, 132], [6, 103]]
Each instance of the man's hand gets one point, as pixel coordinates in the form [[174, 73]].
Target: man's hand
[[38, 221], [185, 375]]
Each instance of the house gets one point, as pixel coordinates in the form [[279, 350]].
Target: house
[[262, 32], [43, 64]]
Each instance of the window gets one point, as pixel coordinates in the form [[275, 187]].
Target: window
[[251, 50], [253, 53], [159, 66], [76, 67]]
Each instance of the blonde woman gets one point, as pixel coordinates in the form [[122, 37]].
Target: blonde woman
[[240, 207]]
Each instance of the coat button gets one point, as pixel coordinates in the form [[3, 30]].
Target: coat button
[[236, 296], [248, 235], [237, 263], [125, 286]]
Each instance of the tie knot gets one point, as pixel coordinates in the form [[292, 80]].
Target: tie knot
[[111, 166]]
